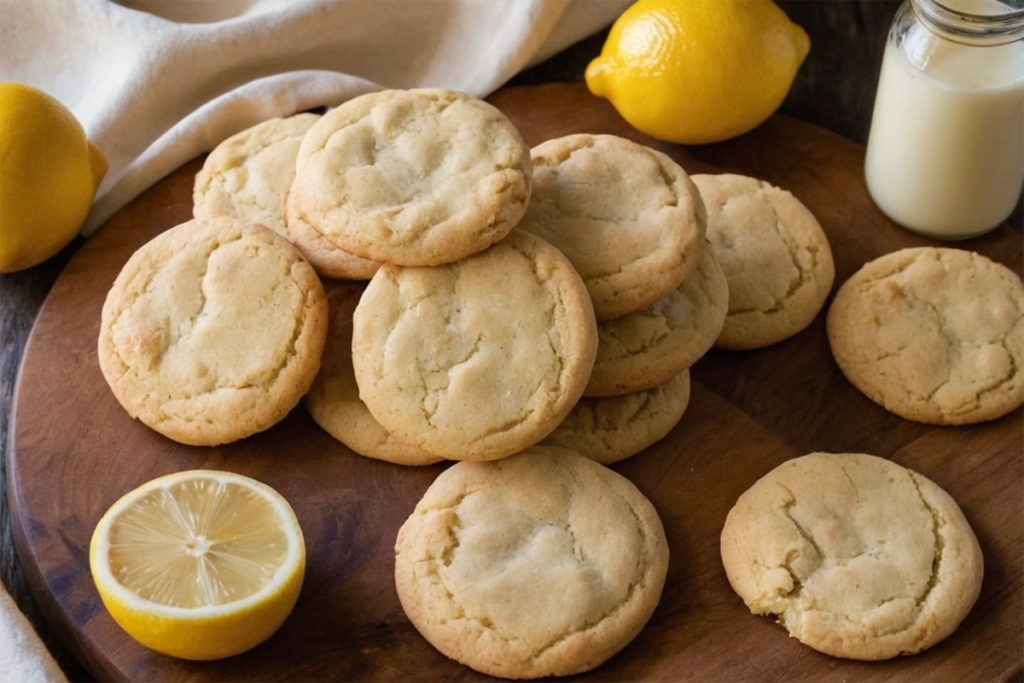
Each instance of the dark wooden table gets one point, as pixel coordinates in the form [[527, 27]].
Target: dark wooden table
[[834, 89]]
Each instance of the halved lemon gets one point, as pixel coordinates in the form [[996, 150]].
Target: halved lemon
[[199, 564]]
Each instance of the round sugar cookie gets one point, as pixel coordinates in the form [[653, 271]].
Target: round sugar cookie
[[541, 564], [645, 349], [613, 428], [412, 177], [247, 176], [627, 217], [934, 335], [477, 359], [333, 399], [775, 255], [856, 556], [213, 331]]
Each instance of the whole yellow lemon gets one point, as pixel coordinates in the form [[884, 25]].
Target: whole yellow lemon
[[48, 176], [698, 71]]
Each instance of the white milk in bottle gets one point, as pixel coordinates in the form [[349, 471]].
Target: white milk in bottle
[[945, 155]]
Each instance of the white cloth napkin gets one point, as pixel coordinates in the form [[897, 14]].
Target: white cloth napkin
[[155, 83], [23, 656]]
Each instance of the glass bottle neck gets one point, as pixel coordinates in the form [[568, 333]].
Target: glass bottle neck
[[973, 22]]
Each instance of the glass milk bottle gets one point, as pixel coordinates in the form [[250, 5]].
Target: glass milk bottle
[[945, 154]]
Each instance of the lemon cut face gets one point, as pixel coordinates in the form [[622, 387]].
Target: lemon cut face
[[199, 564]]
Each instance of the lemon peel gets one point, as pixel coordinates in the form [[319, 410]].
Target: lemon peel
[[49, 172], [698, 71]]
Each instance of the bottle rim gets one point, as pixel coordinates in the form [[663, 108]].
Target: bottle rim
[[971, 29]]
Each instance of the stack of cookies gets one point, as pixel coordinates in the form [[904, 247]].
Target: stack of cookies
[[455, 317], [633, 225], [473, 339], [435, 290], [418, 192]]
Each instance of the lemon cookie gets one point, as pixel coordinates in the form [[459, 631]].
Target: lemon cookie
[[327, 258], [476, 359], [610, 429], [541, 564], [247, 176], [858, 557], [333, 399], [934, 335], [412, 177], [776, 258], [627, 217], [213, 331], [647, 348]]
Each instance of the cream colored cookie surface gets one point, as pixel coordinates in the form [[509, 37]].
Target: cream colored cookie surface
[[645, 349], [610, 429], [333, 399], [856, 556], [412, 177], [248, 176], [477, 359], [541, 564], [776, 258], [213, 331], [328, 259], [627, 217], [935, 335]]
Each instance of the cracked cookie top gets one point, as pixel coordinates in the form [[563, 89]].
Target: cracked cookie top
[[212, 331], [477, 359], [856, 556], [541, 564], [627, 217], [934, 335], [412, 177], [247, 176], [776, 258]]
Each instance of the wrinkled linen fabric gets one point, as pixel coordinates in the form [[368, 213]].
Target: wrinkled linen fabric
[[156, 83], [23, 656]]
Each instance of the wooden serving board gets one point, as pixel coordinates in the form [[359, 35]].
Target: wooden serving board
[[74, 451]]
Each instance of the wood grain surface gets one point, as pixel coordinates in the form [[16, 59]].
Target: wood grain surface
[[74, 451]]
